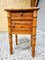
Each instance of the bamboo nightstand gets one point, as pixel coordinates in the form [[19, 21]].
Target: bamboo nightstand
[[22, 21]]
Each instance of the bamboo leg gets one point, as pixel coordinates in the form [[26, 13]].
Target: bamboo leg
[[33, 38], [10, 31], [10, 42], [33, 45], [16, 40], [33, 51]]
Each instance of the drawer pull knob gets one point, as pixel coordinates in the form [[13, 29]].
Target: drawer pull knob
[[21, 14]]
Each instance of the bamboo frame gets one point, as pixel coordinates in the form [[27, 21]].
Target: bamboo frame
[[33, 36], [10, 32], [33, 29]]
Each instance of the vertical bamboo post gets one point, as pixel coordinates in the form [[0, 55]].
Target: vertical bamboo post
[[33, 37], [10, 32], [16, 40]]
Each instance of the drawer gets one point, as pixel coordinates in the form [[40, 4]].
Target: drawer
[[21, 14], [22, 29], [21, 24]]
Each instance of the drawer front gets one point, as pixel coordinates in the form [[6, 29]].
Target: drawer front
[[21, 25], [21, 14]]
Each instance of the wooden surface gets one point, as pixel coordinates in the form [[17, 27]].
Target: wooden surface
[[17, 10], [22, 21]]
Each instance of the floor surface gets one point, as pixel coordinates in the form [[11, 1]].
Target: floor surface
[[23, 50]]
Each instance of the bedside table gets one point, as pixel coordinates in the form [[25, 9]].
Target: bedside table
[[22, 21]]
